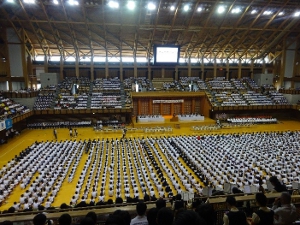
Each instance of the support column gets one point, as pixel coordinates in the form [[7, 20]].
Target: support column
[[215, 67], [77, 66], [176, 73], [240, 69], [282, 66], [61, 68], [227, 69], [189, 67], [92, 65], [252, 68], [202, 68]]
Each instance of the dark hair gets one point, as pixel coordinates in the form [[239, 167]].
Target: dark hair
[[87, 221], [274, 180], [261, 199], [124, 215], [11, 210], [207, 212], [109, 201], [114, 220], [64, 206], [188, 217], [160, 203], [65, 219], [141, 208], [39, 219], [231, 200], [119, 200], [165, 216], [7, 222], [93, 216], [178, 197], [235, 190], [151, 216]]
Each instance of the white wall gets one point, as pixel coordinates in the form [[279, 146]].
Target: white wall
[[14, 53], [289, 61], [4, 86], [293, 99], [262, 79], [17, 86], [49, 79]]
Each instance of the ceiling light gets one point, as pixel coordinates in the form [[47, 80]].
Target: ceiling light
[[267, 12], [221, 9], [281, 13], [254, 11], [73, 2], [55, 2], [151, 6], [131, 5], [199, 9], [10, 1], [172, 8], [236, 10], [186, 8], [29, 1], [296, 14], [113, 4]]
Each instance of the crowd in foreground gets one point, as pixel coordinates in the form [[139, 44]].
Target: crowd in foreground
[[282, 212]]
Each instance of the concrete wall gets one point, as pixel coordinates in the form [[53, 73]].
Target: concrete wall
[[293, 99], [49, 79], [262, 79], [29, 102]]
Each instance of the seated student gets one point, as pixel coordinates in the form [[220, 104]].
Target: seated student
[[264, 215], [278, 187], [178, 203], [141, 218], [234, 216]]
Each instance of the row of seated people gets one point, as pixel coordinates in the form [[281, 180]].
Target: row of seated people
[[141, 81], [104, 100], [150, 118], [252, 120], [157, 167], [60, 124], [278, 98], [69, 101], [199, 214], [251, 83], [9, 108], [44, 100], [112, 84]]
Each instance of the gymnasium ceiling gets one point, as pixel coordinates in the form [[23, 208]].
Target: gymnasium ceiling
[[88, 28]]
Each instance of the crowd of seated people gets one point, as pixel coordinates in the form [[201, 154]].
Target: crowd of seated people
[[278, 98], [150, 118], [251, 83], [220, 83], [255, 98], [252, 120], [9, 108], [44, 100], [151, 165], [143, 82], [190, 117], [199, 213], [59, 124]]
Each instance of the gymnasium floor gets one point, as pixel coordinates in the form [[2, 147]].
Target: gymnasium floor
[[27, 137]]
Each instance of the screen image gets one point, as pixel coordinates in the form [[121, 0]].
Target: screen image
[[166, 54]]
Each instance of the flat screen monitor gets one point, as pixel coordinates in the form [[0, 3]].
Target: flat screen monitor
[[166, 54]]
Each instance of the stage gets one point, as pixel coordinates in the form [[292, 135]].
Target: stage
[[174, 124]]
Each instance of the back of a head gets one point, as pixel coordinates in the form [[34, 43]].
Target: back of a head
[[165, 216], [235, 190], [285, 198], [207, 212], [87, 221], [65, 219], [124, 215], [114, 220], [93, 216], [39, 219], [151, 216], [141, 208], [119, 200], [274, 180], [231, 200], [160, 203], [178, 197], [261, 199], [189, 217], [7, 222]]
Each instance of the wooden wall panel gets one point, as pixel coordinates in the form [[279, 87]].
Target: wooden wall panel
[[169, 73], [177, 108], [135, 107], [166, 109], [144, 107], [156, 109], [128, 73], [188, 106]]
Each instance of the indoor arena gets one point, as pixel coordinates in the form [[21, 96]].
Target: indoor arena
[[149, 112]]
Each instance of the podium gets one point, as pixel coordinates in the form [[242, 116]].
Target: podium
[[174, 119]]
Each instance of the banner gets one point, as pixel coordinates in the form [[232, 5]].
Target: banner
[[168, 101], [2, 125], [8, 123]]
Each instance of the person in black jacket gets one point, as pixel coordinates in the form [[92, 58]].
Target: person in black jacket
[[278, 187], [234, 216], [264, 215]]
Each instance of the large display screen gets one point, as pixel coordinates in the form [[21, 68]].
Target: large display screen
[[166, 54]]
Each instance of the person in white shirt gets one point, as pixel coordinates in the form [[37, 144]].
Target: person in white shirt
[[141, 218], [287, 213]]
